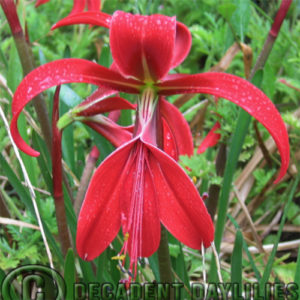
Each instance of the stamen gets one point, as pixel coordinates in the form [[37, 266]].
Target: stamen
[[133, 236], [147, 103]]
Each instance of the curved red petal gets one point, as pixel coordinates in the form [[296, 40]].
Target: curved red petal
[[78, 6], [148, 42], [94, 5], [182, 211], [113, 132], [57, 73], [183, 42], [104, 105], [169, 144], [100, 217], [139, 207], [242, 93], [97, 18], [211, 139], [40, 2], [114, 115], [179, 127]]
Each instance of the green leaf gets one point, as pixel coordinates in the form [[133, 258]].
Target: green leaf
[[297, 273], [226, 10], [70, 274], [268, 268], [241, 17], [15, 71], [245, 247], [153, 261], [43, 160], [178, 264], [236, 259]]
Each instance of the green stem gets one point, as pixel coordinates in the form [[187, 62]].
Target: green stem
[[164, 260], [85, 178], [59, 202]]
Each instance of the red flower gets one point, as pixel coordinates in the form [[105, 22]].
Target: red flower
[[138, 186], [211, 139]]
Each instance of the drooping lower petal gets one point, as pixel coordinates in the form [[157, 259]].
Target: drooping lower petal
[[211, 139], [139, 207], [181, 209], [57, 73], [99, 218], [148, 42], [242, 93]]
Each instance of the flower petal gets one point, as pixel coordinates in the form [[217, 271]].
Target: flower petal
[[78, 6], [169, 144], [99, 218], [183, 42], [242, 93], [139, 207], [97, 18], [211, 139], [148, 42], [40, 2], [179, 127], [113, 132], [94, 105], [93, 4], [182, 211], [57, 73]]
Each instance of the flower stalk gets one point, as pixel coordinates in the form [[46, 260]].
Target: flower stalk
[[26, 58], [57, 178]]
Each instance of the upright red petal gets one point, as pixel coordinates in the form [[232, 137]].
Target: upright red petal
[[181, 209], [183, 42], [179, 127], [148, 42], [211, 139], [78, 6], [94, 5], [57, 73], [99, 218], [242, 93]]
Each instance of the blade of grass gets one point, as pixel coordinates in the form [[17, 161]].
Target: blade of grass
[[231, 163], [179, 267], [236, 259], [245, 247], [43, 160], [70, 274], [153, 261], [236, 144], [268, 268], [297, 273]]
